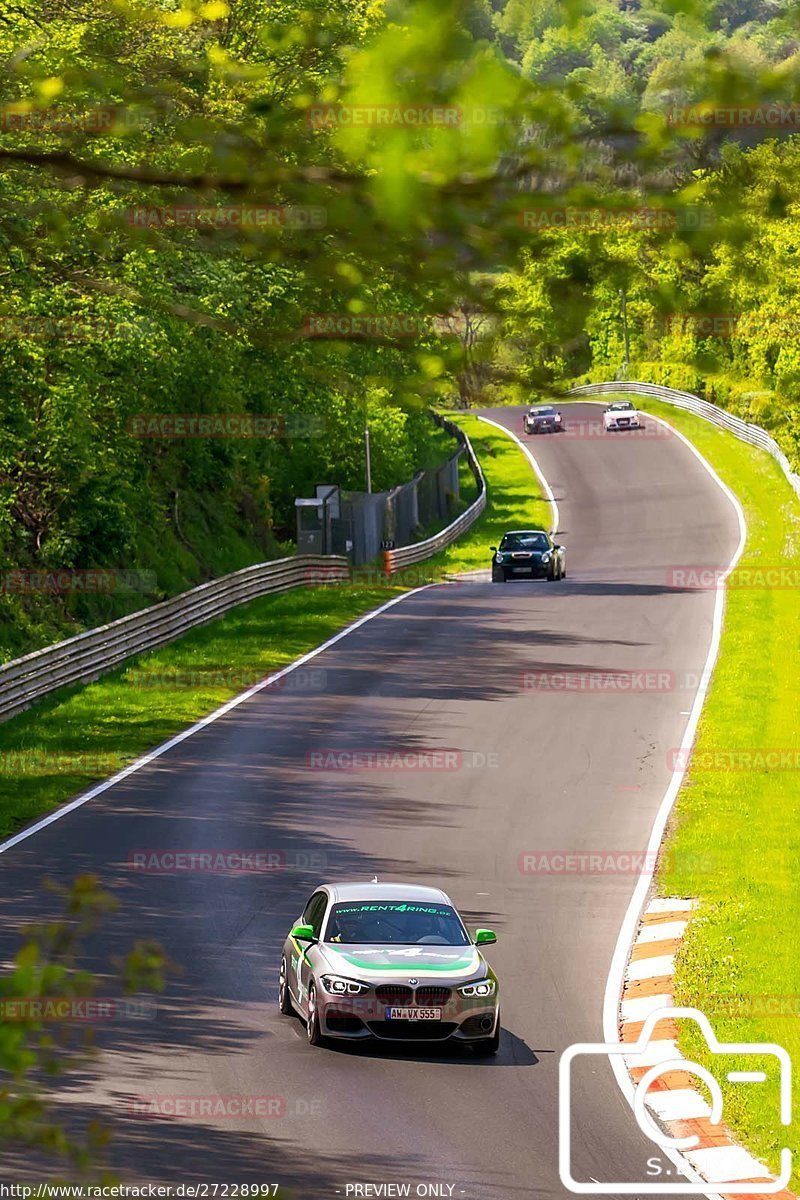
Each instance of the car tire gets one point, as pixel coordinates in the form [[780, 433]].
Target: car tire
[[564, 571], [313, 1032], [284, 995], [498, 576], [551, 573], [488, 1046]]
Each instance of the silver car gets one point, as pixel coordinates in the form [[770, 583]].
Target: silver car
[[389, 961]]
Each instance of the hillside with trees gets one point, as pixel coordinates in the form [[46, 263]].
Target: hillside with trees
[[204, 213]]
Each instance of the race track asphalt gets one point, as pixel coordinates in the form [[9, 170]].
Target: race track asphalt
[[553, 763]]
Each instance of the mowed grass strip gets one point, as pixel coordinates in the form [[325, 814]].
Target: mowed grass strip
[[83, 734], [734, 841]]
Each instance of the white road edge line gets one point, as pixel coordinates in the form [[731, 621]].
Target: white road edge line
[[234, 702], [548, 491], [627, 933]]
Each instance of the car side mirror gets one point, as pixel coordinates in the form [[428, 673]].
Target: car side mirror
[[493, 547], [485, 937], [304, 933]]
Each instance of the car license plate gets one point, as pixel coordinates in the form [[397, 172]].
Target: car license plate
[[413, 1014], [521, 570]]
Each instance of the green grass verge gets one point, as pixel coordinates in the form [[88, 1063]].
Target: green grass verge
[[734, 840], [80, 735]]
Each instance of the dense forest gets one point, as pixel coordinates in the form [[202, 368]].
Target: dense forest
[[714, 307], [203, 212]]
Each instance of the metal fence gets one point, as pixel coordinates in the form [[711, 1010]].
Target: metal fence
[[405, 556], [753, 434], [85, 657]]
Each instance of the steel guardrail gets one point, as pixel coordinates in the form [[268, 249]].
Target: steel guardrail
[[406, 556], [753, 434], [83, 658]]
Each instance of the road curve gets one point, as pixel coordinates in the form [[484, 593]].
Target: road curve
[[471, 667]]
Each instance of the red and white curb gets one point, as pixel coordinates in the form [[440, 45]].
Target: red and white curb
[[672, 1097]]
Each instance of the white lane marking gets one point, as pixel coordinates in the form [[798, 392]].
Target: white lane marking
[[548, 491], [678, 1104], [747, 1076], [661, 904], [664, 932], [627, 933], [723, 1164], [650, 968], [234, 702]]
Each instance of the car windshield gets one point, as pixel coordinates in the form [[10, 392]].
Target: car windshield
[[525, 541], [397, 922], [624, 406], [542, 412]]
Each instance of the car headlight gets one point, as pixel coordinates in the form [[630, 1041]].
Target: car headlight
[[546, 556], [558, 418], [499, 557], [340, 986], [484, 987]]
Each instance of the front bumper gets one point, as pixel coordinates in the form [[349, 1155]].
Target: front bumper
[[463, 1019], [523, 570], [632, 423]]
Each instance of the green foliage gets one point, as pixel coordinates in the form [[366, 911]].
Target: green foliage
[[42, 1034]]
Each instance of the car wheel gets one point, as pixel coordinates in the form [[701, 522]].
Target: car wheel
[[313, 1033], [284, 995], [551, 573], [564, 571], [488, 1046]]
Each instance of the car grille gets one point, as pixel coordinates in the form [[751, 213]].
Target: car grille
[[394, 993], [425, 997], [417, 1031], [623, 421]]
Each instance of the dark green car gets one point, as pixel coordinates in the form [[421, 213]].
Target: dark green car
[[528, 554]]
